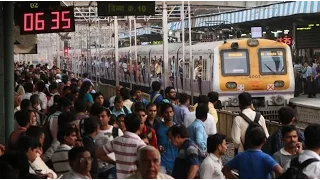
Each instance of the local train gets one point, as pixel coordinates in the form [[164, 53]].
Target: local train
[[261, 67]]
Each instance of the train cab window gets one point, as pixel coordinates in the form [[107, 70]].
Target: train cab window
[[235, 62], [272, 61]]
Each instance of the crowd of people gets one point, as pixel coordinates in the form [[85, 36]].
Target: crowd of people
[[65, 129]]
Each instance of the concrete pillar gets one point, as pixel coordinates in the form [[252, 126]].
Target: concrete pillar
[[2, 94]]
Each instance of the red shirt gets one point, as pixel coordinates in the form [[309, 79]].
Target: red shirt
[[152, 137]]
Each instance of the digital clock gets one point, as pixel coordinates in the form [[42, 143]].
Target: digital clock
[[38, 21]]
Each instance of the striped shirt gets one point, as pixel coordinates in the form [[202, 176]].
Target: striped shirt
[[60, 159], [125, 149]]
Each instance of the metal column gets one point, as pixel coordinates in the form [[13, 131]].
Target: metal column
[[116, 44], [58, 51], [183, 48], [130, 55], [8, 67], [166, 69], [190, 52]]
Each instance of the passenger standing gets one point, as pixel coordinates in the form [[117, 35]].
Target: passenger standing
[[240, 126], [156, 97], [111, 100]]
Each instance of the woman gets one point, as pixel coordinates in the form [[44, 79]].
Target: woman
[[84, 92]]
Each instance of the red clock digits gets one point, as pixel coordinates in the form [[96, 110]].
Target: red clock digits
[[64, 19], [39, 23], [56, 20], [28, 19]]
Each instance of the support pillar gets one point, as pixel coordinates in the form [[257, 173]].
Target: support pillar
[[166, 69], [116, 51], [8, 65]]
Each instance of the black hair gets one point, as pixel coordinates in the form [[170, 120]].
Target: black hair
[[22, 117], [312, 136], [97, 109], [213, 141], [34, 131], [65, 118], [178, 130], [84, 89], [25, 104], [150, 105], [164, 107], [118, 99], [80, 105], [65, 88], [139, 105], [288, 129], [213, 96], [64, 102], [125, 93], [25, 143], [75, 152], [203, 99], [245, 99], [255, 136], [34, 99], [168, 89], [202, 111], [156, 86], [183, 98], [112, 120], [41, 86], [52, 87], [28, 87], [85, 75], [65, 131], [137, 88], [132, 122], [132, 93], [97, 94], [118, 117], [90, 124], [286, 114]]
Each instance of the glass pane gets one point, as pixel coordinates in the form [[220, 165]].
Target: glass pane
[[272, 61], [235, 62]]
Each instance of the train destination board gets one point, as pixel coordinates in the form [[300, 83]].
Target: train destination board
[[126, 8]]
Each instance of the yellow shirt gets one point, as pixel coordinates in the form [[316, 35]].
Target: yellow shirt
[[212, 111]]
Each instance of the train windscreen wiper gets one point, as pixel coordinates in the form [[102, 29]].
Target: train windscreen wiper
[[270, 69]]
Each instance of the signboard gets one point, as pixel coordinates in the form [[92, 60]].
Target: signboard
[[35, 21], [287, 40], [256, 32], [126, 8], [307, 36]]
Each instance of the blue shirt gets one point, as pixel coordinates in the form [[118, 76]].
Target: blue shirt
[[144, 101], [180, 112], [253, 164], [88, 98], [159, 98], [117, 112], [170, 152], [197, 132]]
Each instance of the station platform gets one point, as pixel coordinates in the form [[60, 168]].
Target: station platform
[[304, 101]]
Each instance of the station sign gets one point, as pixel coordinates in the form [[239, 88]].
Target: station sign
[[126, 8], [256, 32], [287, 40]]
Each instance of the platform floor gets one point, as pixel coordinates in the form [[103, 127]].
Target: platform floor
[[303, 100]]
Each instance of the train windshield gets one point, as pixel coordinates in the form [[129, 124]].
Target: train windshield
[[235, 62], [272, 61]]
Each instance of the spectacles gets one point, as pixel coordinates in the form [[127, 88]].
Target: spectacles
[[82, 160]]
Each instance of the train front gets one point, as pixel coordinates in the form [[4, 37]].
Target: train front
[[258, 66]]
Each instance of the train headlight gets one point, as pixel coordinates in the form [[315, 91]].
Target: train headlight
[[231, 85], [234, 45], [278, 84], [253, 42], [279, 100], [234, 101]]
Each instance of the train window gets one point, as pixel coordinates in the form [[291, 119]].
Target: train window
[[272, 61], [235, 62]]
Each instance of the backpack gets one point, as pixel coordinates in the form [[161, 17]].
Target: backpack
[[115, 132], [125, 109], [252, 124], [155, 98], [295, 171]]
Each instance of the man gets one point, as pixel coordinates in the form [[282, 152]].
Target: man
[[196, 130], [146, 131], [80, 162], [292, 147], [41, 87], [167, 150], [239, 126], [28, 87], [213, 99], [156, 97], [253, 163], [152, 120], [125, 147], [17, 101], [148, 164], [111, 101], [210, 124], [182, 110], [119, 108], [212, 165], [139, 97], [274, 142], [187, 163], [170, 94], [312, 134]]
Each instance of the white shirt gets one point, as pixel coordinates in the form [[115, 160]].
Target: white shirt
[[128, 103], [111, 101], [38, 164], [51, 100], [312, 170], [43, 100], [26, 96], [74, 175], [239, 127], [210, 124], [211, 168]]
